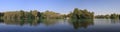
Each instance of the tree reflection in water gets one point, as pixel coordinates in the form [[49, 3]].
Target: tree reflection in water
[[115, 21], [81, 23], [49, 22], [31, 22], [21, 22]]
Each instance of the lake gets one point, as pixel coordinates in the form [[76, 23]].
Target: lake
[[60, 25]]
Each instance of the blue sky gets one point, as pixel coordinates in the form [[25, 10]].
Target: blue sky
[[62, 6]]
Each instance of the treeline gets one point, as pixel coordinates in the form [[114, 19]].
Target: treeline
[[21, 15], [111, 16], [35, 14]]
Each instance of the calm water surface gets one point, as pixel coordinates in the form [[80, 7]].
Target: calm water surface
[[60, 25]]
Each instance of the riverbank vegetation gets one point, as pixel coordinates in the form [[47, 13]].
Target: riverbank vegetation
[[111, 16], [35, 14]]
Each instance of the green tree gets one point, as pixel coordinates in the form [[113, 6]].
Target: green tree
[[81, 14], [1, 15], [114, 16]]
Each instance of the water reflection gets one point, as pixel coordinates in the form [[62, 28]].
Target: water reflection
[[21, 22], [61, 24], [83, 23], [115, 21], [48, 22], [31, 22]]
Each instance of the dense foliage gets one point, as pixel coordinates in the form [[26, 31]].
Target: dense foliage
[[21, 15], [111, 16], [81, 14], [33, 14], [1, 15]]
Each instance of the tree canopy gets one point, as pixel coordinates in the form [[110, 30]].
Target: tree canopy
[[81, 14], [21, 15], [111, 16]]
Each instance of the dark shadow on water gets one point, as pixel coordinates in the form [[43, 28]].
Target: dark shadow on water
[[81, 23]]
